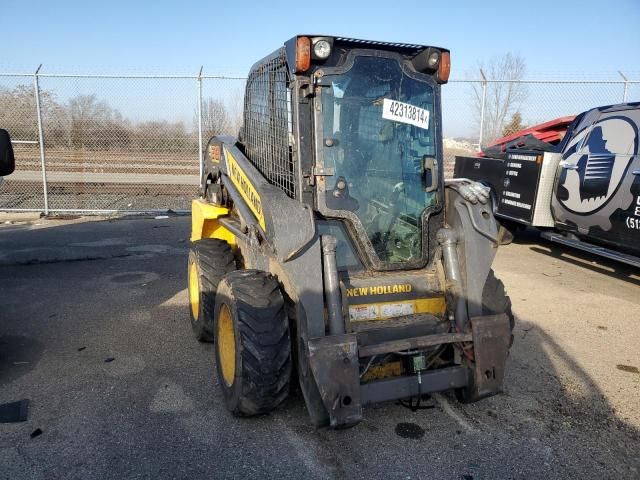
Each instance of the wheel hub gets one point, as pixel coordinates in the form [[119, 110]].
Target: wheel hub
[[226, 344], [194, 290]]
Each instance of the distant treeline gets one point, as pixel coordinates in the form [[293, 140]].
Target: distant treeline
[[85, 122]]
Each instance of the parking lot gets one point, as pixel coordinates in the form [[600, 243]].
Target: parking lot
[[94, 331]]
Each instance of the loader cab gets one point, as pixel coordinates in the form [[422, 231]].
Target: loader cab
[[374, 116]]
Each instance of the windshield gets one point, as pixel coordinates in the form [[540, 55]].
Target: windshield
[[377, 130]]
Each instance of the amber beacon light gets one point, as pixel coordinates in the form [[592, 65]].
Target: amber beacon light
[[303, 54], [444, 69]]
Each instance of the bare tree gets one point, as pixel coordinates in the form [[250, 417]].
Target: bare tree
[[18, 114], [215, 118], [503, 98], [236, 110], [95, 125], [162, 136]]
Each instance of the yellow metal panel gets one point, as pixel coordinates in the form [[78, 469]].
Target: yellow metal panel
[[436, 305], [204, 222], [245, 187]]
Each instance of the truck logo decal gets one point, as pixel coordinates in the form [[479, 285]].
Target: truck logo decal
[[602, 160], [245, 187]]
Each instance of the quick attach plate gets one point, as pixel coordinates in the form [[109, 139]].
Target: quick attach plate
[[491, 338]]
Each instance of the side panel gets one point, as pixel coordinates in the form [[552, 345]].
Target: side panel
[[598, 187], [521, 177], [625, 224]]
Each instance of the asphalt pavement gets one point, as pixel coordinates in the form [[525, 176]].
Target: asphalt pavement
[[94, 331]]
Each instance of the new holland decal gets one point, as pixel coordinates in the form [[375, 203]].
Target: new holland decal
[[379, 290], [379, 302], [245, 187]]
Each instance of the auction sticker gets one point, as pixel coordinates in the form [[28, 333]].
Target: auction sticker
[[363, 312], [377, 311], [405, 113], [396, 309]]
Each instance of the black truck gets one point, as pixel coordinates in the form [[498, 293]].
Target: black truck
[[583, 192]]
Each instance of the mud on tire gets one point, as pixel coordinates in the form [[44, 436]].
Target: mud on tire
[[495, 300], [210, 260], [253, 360]]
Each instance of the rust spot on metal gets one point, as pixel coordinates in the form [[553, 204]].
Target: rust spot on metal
[[377, 372]]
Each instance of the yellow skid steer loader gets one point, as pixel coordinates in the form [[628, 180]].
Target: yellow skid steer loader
[[327, 247]]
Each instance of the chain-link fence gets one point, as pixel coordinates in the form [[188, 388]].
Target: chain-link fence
[[96, 143], [476, 112], [111, 143]]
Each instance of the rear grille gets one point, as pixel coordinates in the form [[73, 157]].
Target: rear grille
[[268, 123]]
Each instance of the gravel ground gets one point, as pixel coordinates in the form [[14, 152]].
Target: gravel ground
[[94, 331]]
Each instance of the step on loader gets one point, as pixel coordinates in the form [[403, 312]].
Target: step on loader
[[327, 248]]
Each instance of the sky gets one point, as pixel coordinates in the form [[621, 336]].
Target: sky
[[559, 39], [555, 37]]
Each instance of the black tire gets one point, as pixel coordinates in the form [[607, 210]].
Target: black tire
[[495, 300], [212, 260], [260, 345]]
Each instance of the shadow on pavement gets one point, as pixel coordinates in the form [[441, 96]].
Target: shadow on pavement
[[531, 237]]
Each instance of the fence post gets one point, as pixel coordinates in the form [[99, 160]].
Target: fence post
[[36, 88], [200, 156], [482, 109], [626, 86]]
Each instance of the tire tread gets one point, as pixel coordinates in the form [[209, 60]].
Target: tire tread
[[215, 259], [265, 342]]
